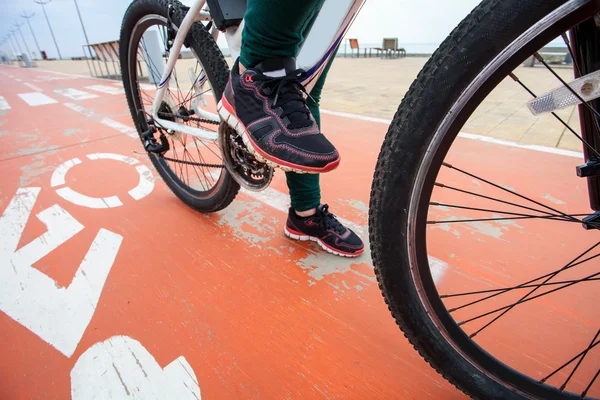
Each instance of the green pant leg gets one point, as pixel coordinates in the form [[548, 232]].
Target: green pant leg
[[305, 190], [275, 28]]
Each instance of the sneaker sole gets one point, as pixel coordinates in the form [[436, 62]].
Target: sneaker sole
[[306, 238], [229, 117]]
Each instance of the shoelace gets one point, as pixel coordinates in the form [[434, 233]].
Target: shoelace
[[288, 95], [329, 220]]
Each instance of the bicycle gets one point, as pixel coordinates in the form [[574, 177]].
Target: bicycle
[[417, 178]]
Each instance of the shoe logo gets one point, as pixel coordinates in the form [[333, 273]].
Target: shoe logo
[[311, 223], [249, 78]]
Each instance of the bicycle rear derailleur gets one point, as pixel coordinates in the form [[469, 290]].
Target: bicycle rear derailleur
[[240, 163]]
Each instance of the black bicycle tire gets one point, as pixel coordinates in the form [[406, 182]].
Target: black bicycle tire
[[217, 71], [490, 28]]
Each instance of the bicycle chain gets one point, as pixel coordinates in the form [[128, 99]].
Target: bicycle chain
[[188, 118], [193, 163]]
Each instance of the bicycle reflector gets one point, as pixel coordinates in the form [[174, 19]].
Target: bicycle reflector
[[587, 88]]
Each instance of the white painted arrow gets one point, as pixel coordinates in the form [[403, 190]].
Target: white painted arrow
[[56, 314], [121, 368]]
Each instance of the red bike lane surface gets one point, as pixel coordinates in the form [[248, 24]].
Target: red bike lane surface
[[123, 290]]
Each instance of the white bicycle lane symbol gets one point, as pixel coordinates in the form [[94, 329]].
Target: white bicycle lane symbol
[[60, 315]]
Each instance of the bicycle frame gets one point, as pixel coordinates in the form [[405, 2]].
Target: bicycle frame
[[586, 40], [313, 57]]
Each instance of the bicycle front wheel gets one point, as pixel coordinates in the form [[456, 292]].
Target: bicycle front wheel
[[477, 242], [192, 168]]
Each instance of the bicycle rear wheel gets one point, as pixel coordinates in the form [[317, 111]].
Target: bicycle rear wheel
[[478, 301], [192, 168]]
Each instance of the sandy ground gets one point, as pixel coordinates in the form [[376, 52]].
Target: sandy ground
[[375, 87]]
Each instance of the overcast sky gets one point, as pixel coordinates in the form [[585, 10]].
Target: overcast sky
[[412, 21]]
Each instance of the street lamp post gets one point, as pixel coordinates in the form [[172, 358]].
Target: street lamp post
[[12, 47], [43, 3], [27, 18], [87, 41], [12, 33], [23, 37]]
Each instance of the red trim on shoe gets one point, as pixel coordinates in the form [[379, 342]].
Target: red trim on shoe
[[329, 167], [357, 253]]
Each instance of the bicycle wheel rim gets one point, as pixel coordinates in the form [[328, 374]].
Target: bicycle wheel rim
[[137, 33], [558, 21]]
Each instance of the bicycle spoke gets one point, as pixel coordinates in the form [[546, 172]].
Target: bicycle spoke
[[564, 385], [490, 198], [507, 289], [578, 136], [584, 393], [570, 217], [455, 221], [581, 356], [509, 191], [572, 264], [585, 103], [525, 298], [579, 73]]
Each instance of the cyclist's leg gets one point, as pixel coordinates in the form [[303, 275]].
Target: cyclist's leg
[[305, 190], [275, 29], [306, 216], [272, 37]]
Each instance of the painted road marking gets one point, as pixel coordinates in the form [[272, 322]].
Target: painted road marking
[[121, 367], [145, 86], [471, 136], [132, 132], [37, 99], [32, 87], [111, 156], [4, 104], [144, 187], [80, 109], [106, 89], [58, 176], [87, 201], [146, 183], [129, 131], [58, 315], [75, 94]]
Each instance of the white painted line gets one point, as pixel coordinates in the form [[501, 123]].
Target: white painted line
[[111, 156], [356, 116], [145, 86], [36, 99], [32, 87], [58, 315], [4, 104], [132, 132], [18, 80], [122, 368], [75, 94], [146, 184], [86, 201], [106, 89], [465, 135], [80, 109], [534, 147], [58, 176]]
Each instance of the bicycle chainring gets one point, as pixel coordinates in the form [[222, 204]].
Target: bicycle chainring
[[241, 164]]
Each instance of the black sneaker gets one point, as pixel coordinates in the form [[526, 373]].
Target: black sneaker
[[326, 230], [266, 107]]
